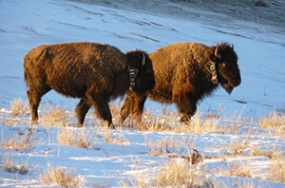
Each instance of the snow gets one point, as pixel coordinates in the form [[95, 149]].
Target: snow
[[27, 24]]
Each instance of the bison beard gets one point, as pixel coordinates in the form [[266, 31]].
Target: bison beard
[[185, 73], [93, 72]]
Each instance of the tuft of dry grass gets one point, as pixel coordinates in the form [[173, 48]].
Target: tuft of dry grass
[[275, 122], [60, 176], [18, 141], [238, 169], [172, 174], [55, 117], [199, 125], [255, 151], [237, 148], [70, 137], [161, 147], [18, 107], [115, 139], [13, 167], [277, 168]]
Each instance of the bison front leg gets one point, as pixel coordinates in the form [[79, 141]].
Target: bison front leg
[[101, 106], [81, 111], [186, 105], [133, 105]]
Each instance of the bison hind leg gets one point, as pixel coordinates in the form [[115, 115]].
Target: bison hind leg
[[34, 97]]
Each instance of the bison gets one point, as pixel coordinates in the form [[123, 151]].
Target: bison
[[185, 73], [93, 72]]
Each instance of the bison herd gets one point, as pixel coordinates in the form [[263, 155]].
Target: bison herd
[[181, 73]]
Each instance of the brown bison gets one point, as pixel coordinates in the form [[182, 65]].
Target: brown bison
[[94, 72], [185, 73]]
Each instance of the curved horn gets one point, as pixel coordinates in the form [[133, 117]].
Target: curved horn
[[217, 53], [143, 59]]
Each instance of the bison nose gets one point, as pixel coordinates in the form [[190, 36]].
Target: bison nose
[[236, 82]]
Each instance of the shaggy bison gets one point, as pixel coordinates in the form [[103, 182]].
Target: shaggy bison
[[185, 73], [94, 72]]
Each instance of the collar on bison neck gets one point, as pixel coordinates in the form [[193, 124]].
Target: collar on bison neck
[[133, 72], [211, 67]]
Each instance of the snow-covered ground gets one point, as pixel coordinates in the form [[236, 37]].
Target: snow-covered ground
[[27, 24]]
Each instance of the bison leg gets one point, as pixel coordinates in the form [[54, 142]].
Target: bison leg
[[81, 111], [101, 106], [133, 104], [34, 97], [186, 106]]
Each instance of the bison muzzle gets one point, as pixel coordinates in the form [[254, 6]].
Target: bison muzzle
[[185, 73], [93, 72]]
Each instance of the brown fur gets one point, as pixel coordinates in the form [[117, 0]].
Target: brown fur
[[94, 72], [182, 78]]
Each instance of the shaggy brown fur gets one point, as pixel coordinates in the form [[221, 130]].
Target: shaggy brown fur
[[182, 78], [94, 72]]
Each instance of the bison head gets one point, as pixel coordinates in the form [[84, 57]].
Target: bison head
[[227, 68], [140, 71]]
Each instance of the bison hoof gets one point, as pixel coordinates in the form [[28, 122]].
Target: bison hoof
[[185, 118], [121, 121], [34, 122], [79, 125], [111, 126]]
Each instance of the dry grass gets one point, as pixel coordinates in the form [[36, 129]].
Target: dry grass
[[275, 122], [199, 125], [18, 107], [277, 168], [255, 151], [165, 146], [60, 176], [237, 147], [115, 139], [55, 117], [13, 167], [238, 169], [18, 141], [70, 137], [172, 174]]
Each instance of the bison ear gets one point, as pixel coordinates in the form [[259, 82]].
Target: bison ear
[[143, 59], [218, 53]]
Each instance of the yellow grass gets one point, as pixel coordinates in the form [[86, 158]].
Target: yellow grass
[[172, 174], [165, 146], [274, 122], [238, 169], [56, 116], [115, 139], [277, 168], [18, 141], [70, 137], [60, 176], [18, 107], [14, 167]]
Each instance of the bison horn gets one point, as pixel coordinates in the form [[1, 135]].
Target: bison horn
[[217, 53], [143, 59]]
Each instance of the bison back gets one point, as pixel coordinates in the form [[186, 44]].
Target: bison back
[[72, 68]]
